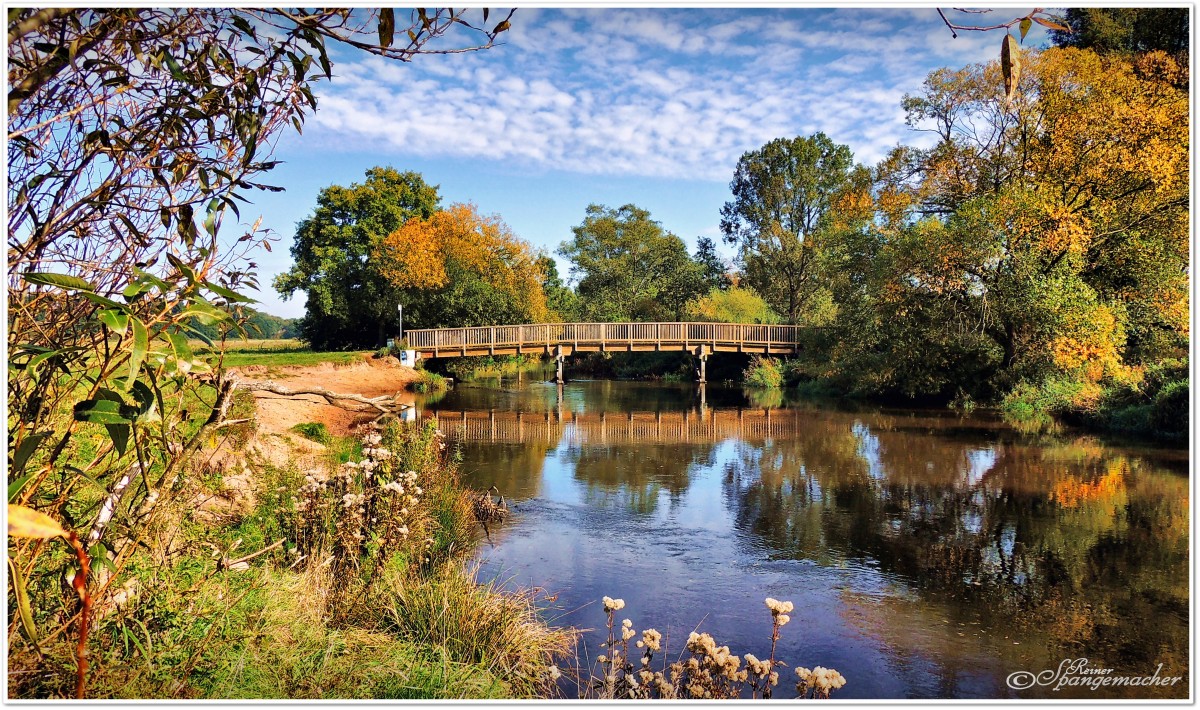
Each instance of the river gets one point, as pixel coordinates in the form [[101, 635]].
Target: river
[[928, 555]]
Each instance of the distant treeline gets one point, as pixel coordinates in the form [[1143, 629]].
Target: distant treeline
[[258, 325]]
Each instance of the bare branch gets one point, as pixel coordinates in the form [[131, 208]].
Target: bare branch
[[383, 404], [35, 22]]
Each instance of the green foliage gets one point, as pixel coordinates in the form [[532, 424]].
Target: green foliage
[[731, 305], [991, 267], [429, 382], [1170, 410], [784, 195], [349, 302], [628, 268], [562, 302], [1125, 29], [763, 372], [255, 323], [464, 369], [714, 272]]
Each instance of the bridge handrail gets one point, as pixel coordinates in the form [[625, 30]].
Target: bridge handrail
[[550, 334]]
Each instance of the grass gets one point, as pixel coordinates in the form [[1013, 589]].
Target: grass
[[477, 625], [313, 431], [289, 358], [272, 352], [399, 622]]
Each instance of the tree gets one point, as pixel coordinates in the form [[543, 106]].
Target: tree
[[731, 305], [133, 134], [1126, 29], [1041, 236], [350, 303], [561, 301], [457, 268], [713, 270], [255, 323], [783, 197], [628, 268]]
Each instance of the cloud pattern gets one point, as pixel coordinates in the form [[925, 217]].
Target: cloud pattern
[[664, 93]]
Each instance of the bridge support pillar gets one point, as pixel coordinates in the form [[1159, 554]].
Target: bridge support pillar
[[558, 361], [702, 352]]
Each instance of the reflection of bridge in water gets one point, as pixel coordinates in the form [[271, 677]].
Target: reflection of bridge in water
[[703, 425]]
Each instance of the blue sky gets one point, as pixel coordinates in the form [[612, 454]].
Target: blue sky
[[614, 106]]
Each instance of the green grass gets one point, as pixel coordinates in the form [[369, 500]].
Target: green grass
[[272, 352], [313, 431], [289, 358], [476, 625]]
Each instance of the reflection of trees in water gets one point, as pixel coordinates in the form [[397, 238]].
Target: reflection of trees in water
[[1075, 541], [634, 476], [515, 469]]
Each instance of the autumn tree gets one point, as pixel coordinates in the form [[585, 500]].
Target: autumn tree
[[628, 268], [458, 268], [350, 303], [783, 198], [1047, 234]]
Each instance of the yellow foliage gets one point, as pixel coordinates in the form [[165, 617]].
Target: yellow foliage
[[421, 253], [413, 256], [1089, 343]]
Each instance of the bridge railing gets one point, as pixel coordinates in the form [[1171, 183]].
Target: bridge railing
[[550, 334]]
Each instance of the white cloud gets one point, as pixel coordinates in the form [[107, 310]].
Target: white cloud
[[659, 93]]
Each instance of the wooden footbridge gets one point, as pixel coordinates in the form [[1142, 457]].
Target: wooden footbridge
[[706, 425], [562, 339]]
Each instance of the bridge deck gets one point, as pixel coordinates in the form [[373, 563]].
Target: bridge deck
[[566, 338]]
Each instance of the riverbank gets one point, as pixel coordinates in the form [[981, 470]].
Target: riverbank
[[290, 568]]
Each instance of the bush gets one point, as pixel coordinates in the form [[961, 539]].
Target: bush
[[1133, 419], [429, 382], [1170, 409], [763, 372]]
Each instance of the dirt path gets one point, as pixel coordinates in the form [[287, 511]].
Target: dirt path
[[370, 378]]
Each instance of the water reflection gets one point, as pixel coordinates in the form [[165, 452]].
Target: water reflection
[[930, 555]]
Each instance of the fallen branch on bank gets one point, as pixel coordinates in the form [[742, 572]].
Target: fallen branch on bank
[[382, 404]]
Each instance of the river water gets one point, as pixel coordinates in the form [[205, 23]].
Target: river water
[[927, 555]]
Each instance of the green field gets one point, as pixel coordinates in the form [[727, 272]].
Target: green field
[[240, 353]]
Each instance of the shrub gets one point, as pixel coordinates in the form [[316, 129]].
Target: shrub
[[763, 372], [1170, 409], [429, 382]]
